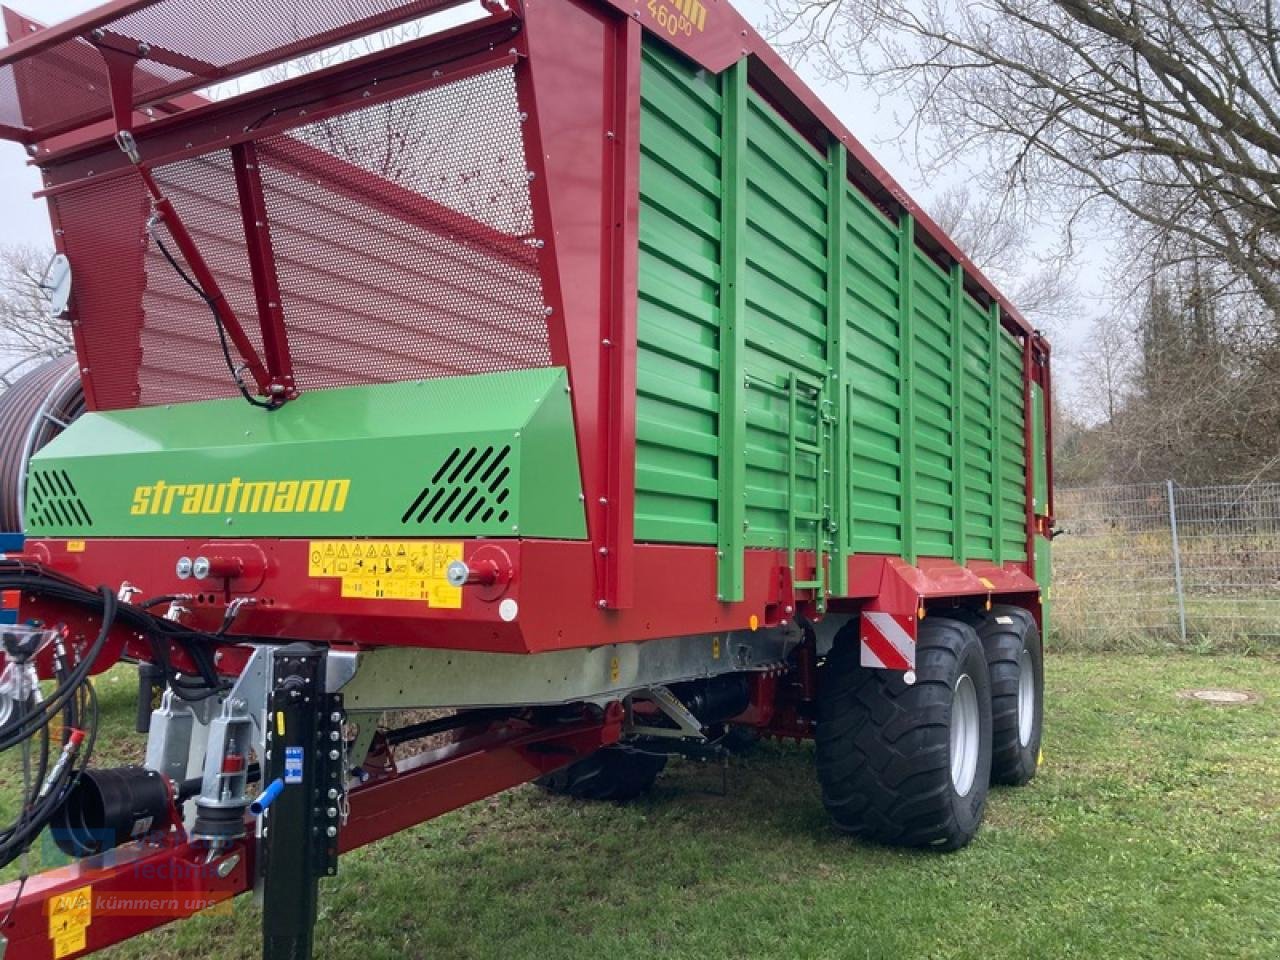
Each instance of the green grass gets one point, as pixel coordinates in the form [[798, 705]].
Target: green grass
[[1152, 831]]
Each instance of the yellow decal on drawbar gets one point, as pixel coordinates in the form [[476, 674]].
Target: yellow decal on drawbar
[[69, 917], [390, 569]]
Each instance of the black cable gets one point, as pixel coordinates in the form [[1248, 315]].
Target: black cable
[[74, 699], [273, 404], [42, 797], [40, 718]]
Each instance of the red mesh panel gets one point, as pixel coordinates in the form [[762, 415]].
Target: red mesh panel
[[401, 238], [401, 235], [103, 227], [67, 83], [181, 358], [193, 43]]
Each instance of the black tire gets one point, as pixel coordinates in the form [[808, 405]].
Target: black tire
[[610, 774], [884, 751], [1006, 632]]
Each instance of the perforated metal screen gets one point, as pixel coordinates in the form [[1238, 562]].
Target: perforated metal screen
[[402, 238], [189, 43]]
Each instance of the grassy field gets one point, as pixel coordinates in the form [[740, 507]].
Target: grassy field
[[1231, 592], [1153, 831]]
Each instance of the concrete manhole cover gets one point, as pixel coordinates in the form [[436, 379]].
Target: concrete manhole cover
[[1224, 697]]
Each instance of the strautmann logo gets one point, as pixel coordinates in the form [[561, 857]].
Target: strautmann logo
[[241, 496]]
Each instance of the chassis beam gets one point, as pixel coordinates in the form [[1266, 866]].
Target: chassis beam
[[107, 899]]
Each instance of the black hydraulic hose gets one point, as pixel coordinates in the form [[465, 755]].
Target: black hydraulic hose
[[30, 725], [17, 575]]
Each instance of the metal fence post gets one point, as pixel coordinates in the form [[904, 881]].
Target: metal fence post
[[1177, 563]]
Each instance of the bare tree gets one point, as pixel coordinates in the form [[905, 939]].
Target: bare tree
[[999, 243], [1164, 111], [27, 331], [1105, 370]]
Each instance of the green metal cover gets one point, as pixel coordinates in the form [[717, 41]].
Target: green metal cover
[[480, 456], [768, 282]]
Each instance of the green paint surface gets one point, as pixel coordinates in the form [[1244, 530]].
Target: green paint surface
[[762, 266], [489, 455], [1039, 452]]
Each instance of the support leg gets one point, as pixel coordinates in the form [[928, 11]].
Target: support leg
[[305, 780]]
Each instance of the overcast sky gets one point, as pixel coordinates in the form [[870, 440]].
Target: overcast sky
[[872, 120]]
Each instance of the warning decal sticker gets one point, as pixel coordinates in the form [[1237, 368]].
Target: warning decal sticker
[[389, 569], [69, 917]]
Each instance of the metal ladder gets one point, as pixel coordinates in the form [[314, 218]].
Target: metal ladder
[[820, 519]]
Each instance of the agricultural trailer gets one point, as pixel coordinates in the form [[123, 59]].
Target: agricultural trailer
[[563, 368]]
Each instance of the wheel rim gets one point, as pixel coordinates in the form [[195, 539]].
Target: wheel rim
[[964, 735], [1026, 698]]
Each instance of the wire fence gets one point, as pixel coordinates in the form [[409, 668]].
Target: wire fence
[[1185, 566]]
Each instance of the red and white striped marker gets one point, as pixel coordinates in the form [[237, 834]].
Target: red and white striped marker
[[888, 641]]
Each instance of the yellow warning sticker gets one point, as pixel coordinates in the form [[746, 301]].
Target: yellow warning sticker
[[69, 917], [390, 569], [75, 546]]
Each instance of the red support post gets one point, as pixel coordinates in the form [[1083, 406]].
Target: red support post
[[262, 269], [619, 393], [581, 59], [1046, 382], [1028, 446]]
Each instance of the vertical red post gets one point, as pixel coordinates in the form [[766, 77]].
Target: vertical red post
[[1028, 446], [580, 88], [1046, 372], [619, 393], [262, 267]]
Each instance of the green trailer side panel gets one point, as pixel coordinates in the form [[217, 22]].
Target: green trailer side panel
[[1039, 454], [1044, 575], [490, 455], [931, 434], [976, 332], [732, 451], [1013, 472], [959, 491], [785, 287], [907, 434], [837, 394], [678, 321], [873, 378]]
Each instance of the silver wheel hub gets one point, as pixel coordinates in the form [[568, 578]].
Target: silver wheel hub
[[965, 735], [1026, 698]]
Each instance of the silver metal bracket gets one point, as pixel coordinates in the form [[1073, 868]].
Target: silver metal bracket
[[128, 146], [687, 725]]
